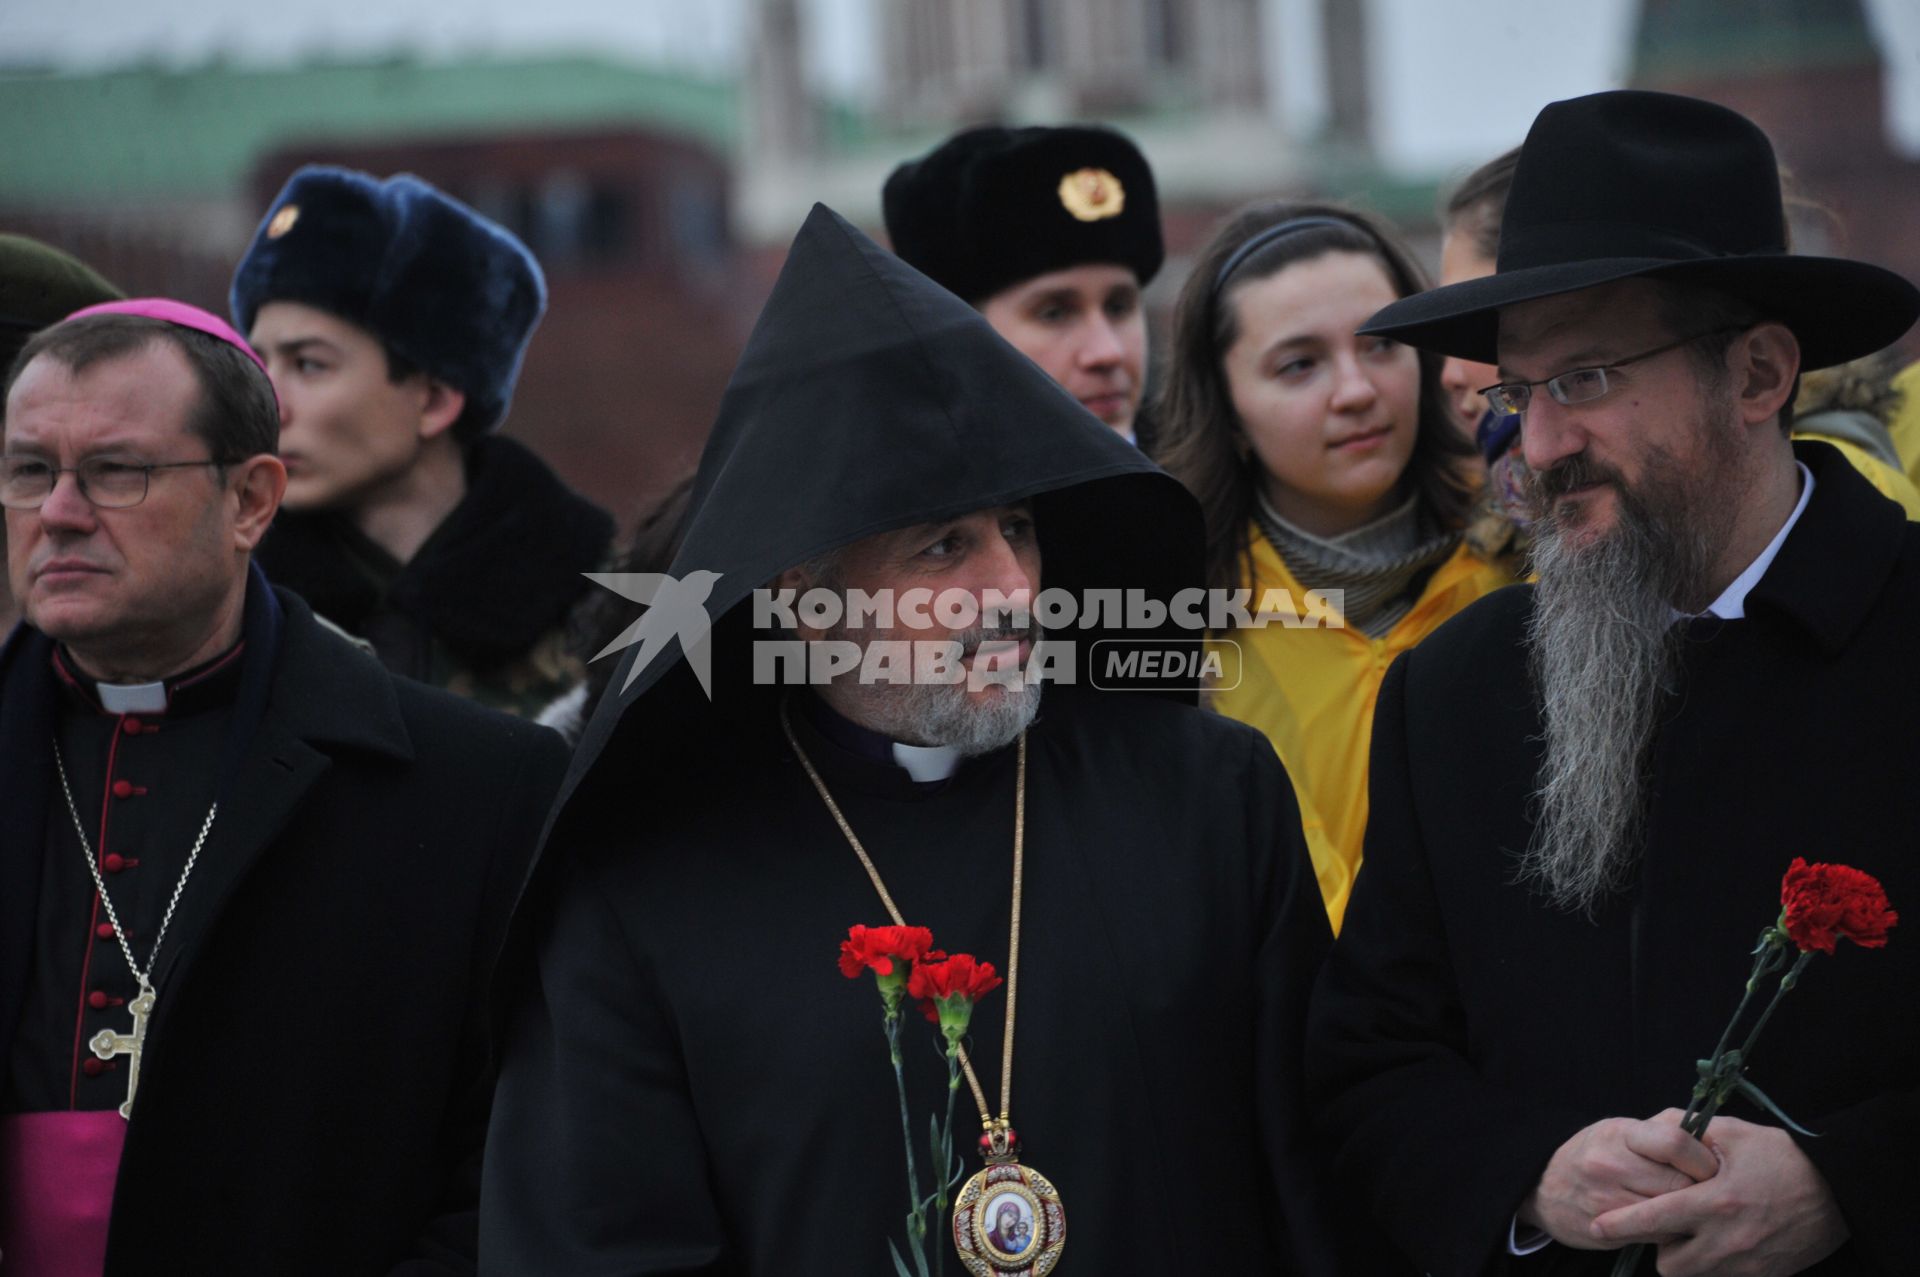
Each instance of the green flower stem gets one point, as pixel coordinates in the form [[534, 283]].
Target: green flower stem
[[1724, 1079], [953, 1090], [1766, 959], [943, 1177], [1786, 984], [1718, 1084], [916, 1218]]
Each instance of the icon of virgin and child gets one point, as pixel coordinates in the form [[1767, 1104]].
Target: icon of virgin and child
[[1012, 1226]]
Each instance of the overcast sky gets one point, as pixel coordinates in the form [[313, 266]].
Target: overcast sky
[[1455, 80]]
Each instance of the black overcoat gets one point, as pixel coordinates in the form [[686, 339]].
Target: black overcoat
[[688, 1083], [692, 1086], [315, 1089], [1464, 1029]]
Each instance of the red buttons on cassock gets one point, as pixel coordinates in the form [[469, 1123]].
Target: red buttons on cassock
[[113, 862], [97, 1000], [123, 789], [104, 931], [93, 1067], [132, 726]]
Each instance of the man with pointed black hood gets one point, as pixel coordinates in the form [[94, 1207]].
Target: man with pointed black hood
[[1586, 791], [689, 1085]]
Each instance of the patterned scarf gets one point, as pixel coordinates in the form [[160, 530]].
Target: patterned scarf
[[1381, 566]]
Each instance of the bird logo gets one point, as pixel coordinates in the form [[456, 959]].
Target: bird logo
[[676, 607]]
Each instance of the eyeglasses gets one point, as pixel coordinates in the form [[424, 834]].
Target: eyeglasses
[[106, 483], [1582, 385]]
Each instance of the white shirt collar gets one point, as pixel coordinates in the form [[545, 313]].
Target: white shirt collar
[[927, 762], [132, 698], [1732, 603]]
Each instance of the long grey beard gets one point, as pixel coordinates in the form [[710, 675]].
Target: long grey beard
[[1604, 649]]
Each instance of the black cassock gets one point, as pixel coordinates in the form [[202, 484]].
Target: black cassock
[[313, 1091], [724, 1098], [689, 1085]]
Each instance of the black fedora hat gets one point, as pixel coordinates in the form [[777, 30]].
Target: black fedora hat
[[1629, 183]]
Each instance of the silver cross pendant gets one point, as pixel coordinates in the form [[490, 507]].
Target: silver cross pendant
[[107, 1044]]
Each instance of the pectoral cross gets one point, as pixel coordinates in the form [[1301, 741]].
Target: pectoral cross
[[106, 1043]]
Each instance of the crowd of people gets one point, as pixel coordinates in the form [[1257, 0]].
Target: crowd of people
[[379, 895]]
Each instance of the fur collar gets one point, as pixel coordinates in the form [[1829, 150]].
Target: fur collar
[[502, 570]]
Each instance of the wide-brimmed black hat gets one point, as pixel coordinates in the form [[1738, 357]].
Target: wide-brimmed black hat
[[1629, 183], [993, 206]]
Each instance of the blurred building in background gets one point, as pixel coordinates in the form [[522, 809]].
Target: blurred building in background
[[643, 316], [660, 196], [1195, 82], [1810, 73], [618, 178]]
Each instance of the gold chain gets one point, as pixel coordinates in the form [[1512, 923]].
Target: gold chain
[[893, 911]]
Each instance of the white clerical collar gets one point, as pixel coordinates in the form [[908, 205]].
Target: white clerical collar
[[1732, 603], [132, 698], [927, 762]]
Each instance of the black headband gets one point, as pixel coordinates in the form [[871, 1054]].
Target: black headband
[[1277, 231]]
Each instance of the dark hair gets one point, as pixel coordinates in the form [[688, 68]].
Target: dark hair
[[1479, 203], [1719, 317], [399, 367], [237, 417], [1198, 431]]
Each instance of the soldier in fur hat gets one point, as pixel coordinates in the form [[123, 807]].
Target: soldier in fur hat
[[394, 320], [1051, 233]]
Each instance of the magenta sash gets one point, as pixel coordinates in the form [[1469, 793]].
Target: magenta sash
[[56, 1191]]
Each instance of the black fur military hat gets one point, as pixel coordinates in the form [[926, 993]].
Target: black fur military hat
[[437, 283], [993, 206]]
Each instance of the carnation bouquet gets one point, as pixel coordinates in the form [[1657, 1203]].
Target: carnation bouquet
[[905, 964]]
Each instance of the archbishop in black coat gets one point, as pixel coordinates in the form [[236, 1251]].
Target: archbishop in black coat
[[314, 1090], [689, 1086], [1464, 1028]]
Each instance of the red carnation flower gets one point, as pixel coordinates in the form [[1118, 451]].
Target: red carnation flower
[[1823, 904], [948, 988], [876, 949], [1820, 905]]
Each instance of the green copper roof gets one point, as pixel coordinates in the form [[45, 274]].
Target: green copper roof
[[152, 134], [1693, 39]]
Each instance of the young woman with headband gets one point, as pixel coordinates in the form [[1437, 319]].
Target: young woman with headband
[[1325, 461]]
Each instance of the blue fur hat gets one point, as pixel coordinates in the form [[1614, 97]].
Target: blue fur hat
[[435, 282]]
